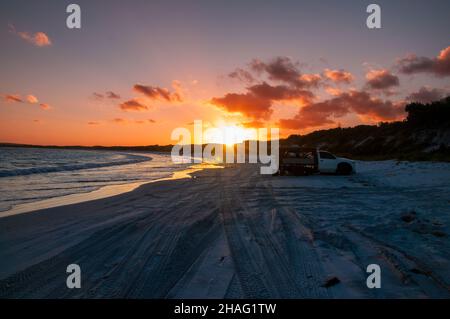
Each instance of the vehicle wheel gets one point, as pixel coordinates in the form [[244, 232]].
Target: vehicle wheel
[[344, 169]]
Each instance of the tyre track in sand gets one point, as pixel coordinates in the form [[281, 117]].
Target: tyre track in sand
[[269, 264]]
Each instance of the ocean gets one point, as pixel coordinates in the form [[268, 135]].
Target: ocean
[[36, 174]]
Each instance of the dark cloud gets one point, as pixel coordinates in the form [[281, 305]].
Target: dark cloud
[[426, 95], [359, 102], [157, 93], [112, 95], [98, 96], [280, 93], [133, 105], [439, 66], [108, 95], [281, 69], [13, 98], [381, 79], [242, 75]]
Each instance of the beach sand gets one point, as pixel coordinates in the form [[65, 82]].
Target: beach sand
[[233, 233]]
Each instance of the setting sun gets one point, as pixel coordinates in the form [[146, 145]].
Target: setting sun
[[228, 134]]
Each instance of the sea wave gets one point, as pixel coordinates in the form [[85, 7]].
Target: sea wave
[[131, 159]]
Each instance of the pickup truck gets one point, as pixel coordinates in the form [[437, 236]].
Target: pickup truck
[[305, 161]]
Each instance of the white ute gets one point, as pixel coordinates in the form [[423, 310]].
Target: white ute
[[302, 161]]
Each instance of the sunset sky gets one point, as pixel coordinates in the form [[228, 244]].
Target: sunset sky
[[138, 69]]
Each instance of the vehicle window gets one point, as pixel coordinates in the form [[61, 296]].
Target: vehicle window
[[306, 155], [291, 154], [327, 155]]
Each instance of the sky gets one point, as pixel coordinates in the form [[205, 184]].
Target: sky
[[136, 70]]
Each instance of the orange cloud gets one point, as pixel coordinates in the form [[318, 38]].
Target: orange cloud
[[93, 123], [359, 102], [39, 39], [333, 91], [45, 106], [248, 104], [311, 79], [133, 105], [119, 121], [338, 76], [32, 99], [254, 124]]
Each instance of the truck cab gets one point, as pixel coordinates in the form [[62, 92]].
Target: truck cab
[[304, 161]]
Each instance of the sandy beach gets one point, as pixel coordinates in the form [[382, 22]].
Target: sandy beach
[[233, 233]]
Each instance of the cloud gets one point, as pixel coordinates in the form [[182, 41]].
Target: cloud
[[381, 79], [438, 66], [426, 95], [93, 123], [254, 124], [281, 69], [312, 80], [157, 93], [108, 95], [112, 95], [258, 100], [242, 75], [338, 76], [15, 98], [133, 105], [32, 99], [98, 96], [39, 39], [248, 104], [119, 120], [280, 93], [333, 91], [359, 102], [144, 121]]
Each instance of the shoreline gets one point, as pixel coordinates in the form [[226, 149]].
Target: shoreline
[[101, 193]]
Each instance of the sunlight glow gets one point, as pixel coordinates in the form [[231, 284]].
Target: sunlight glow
[[228, 134]]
